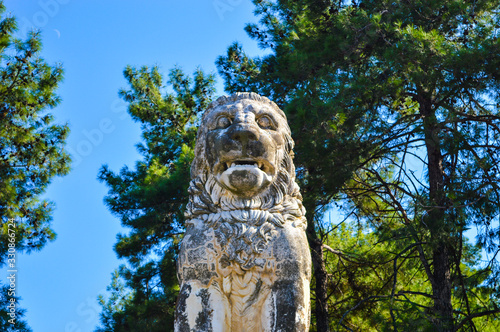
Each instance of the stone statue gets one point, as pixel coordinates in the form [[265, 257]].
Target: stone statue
[[244, 263]]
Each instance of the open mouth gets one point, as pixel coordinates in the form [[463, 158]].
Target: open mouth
[[245, 177], [244, 164]]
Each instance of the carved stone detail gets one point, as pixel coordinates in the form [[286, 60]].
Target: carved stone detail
[[244, 262]]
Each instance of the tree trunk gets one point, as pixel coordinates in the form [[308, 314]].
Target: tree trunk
[[442, 288], [321, 278], [440, 235]]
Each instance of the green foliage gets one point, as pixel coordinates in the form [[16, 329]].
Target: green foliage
[[5, 319], [113, 307], [394, 107], [150, 199], [31, 145], [381, 285], [363, 288], [136, 310], [31, 150]]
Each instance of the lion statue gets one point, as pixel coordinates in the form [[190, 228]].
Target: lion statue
[[244, 262]]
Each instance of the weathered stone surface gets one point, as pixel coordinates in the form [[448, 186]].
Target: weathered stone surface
[[244, 263]]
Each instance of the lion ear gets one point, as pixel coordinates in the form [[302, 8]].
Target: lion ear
[[289, 145]]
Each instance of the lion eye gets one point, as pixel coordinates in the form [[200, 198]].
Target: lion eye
[[223, 122], [265, 122]]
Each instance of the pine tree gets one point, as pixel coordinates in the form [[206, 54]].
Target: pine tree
[[373, 88], [31, 147], [150, 199]]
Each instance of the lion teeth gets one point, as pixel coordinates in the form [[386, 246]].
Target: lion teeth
[[244, 164]]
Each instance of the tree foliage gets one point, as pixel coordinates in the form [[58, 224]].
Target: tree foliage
[[410, 91], [31, 145], [393, 106], [31, 148], [6, 320], [151, 198]]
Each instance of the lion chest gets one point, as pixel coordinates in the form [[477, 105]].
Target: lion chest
[[213, 251], [229, 248]]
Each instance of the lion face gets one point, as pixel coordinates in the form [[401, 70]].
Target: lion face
[[244, 145]]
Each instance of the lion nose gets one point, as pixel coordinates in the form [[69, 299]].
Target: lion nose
[[244, 134]]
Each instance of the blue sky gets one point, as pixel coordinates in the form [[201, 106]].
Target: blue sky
[[95, 40]]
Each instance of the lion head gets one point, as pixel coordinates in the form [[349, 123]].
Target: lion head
[[244, 147]]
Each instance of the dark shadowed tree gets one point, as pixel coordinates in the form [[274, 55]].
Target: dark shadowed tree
[[31, 149], [150, 199], [394, 106], [9, 323]]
